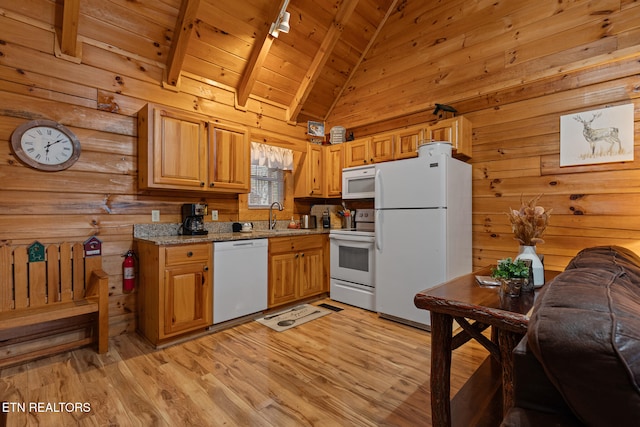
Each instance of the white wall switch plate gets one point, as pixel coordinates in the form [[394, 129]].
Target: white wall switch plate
[[155, 216], [214, 215]]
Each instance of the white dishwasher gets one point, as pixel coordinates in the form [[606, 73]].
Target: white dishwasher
[[239, 278]]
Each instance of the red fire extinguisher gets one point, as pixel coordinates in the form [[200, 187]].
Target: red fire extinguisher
[[129, 272]]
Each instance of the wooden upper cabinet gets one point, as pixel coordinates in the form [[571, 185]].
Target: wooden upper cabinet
[[381, 148], [178, 150], [369, 150], [308, 172], [171, 149], [229, 158], [356, 152], [456, 130], [333, 165], [406, 143]]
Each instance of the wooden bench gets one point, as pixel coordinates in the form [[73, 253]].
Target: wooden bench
[[41, 284]]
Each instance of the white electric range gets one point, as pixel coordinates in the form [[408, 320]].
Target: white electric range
[[352, 254]]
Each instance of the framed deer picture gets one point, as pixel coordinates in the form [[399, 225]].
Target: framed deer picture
[[597, 136]]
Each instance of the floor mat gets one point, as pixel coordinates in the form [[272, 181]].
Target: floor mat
[[293, 317], [330, 307]]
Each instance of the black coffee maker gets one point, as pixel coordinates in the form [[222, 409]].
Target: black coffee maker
[[193, 219]]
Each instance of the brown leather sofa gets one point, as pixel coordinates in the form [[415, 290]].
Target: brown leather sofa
[[579, 363]]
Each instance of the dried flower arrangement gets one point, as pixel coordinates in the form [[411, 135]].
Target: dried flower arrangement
[[529, 223]]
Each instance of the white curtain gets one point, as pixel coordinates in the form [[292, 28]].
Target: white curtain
[[272, 157]]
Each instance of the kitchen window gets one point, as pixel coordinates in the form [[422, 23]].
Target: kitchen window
[[267, 186], [268, 167]]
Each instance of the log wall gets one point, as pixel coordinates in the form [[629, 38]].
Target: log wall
[[98, 99], [513, 97], [513, 69]]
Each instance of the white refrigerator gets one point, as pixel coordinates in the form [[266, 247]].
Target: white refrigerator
[[422, 231]]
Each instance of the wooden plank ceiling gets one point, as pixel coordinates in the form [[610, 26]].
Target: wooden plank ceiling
[[227, 42]]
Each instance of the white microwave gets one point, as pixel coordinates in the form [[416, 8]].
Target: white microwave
[[359, 182]]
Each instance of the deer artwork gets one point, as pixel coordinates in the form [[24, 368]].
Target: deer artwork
[[600, 138]]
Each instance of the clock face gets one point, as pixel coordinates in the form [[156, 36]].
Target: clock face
[[45, 145]]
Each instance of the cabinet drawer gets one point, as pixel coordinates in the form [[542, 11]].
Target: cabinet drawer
[[296, 243], [186, 254]]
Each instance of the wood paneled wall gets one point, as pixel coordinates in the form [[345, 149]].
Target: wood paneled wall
[[98, 99], [530, 65], [513, 68]]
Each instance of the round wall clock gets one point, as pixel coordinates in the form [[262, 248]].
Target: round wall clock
[[45, 145]]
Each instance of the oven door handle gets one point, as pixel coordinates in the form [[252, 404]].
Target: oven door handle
[[351, 238]]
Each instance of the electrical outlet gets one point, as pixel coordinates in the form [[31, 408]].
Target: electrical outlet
[[214, 215], [155, 216]]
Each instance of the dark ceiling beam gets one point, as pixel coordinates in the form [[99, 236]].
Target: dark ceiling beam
[[258, 55], [326, 47], [181, 36]]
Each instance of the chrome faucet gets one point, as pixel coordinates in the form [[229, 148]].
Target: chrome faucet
[[272, 217]]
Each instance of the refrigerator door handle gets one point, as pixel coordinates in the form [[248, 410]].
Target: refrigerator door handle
[[378, 230], [377, 181]]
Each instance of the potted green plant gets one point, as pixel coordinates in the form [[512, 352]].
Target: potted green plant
[[513, 275]]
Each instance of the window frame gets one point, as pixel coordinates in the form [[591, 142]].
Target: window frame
[[278, 180]]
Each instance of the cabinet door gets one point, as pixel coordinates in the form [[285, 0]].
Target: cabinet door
[[357, 153], [282, 278], [444, 131], [406, 143], [179, 150], [229, 158], [333, 170], [381, 148], [311, 280], [308, 173], [187, 301], [457, 131], [316, 173]]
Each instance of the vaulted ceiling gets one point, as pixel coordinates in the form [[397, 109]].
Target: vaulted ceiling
[[355, 63], [228, 43]]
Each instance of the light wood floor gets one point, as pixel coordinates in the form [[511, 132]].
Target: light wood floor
[[349, 368]]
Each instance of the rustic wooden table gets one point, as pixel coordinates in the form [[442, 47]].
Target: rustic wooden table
[[464, 300]]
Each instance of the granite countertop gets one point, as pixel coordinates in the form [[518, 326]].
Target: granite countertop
[[229, 236]]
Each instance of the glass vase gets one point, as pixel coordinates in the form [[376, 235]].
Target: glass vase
[[529, 253]]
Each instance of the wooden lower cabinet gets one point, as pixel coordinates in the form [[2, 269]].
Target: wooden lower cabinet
[[175, 290], [298, 268]]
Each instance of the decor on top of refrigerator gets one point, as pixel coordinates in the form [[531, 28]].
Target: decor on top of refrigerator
[[423, 229]]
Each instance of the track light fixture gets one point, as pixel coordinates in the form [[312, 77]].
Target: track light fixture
[[282, 22]]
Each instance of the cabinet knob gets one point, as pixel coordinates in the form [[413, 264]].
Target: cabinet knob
[[189, 254], [297, 255], [302, 255], [201, 184], [211, 184], [206, 268]]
